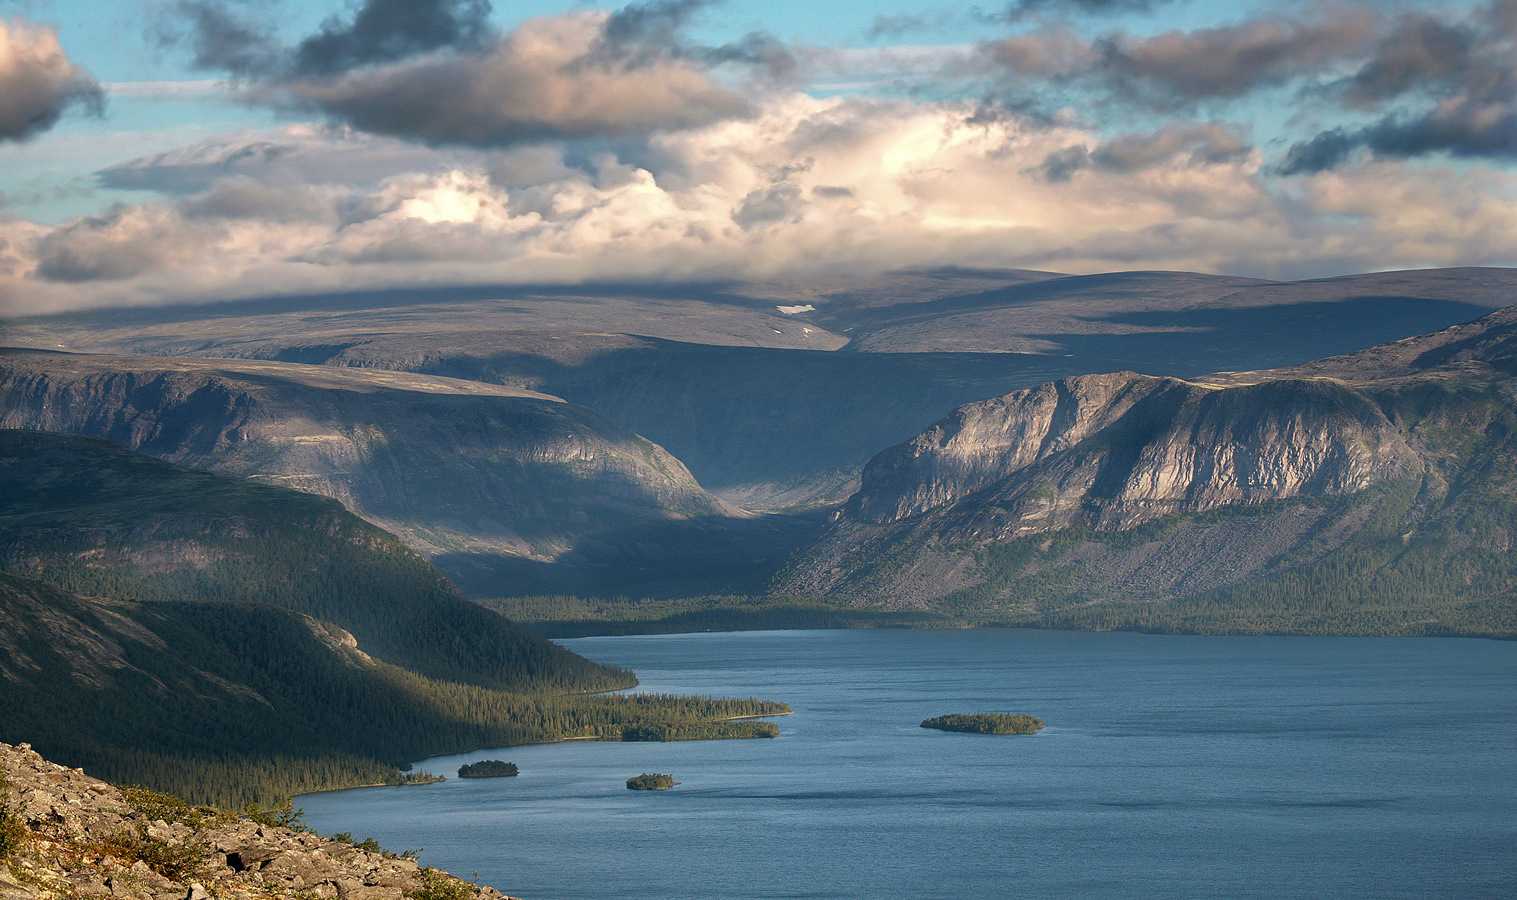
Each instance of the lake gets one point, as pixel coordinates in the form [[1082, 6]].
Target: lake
[[1171, 767]]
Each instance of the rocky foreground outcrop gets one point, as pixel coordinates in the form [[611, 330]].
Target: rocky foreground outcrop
[[82, 838]]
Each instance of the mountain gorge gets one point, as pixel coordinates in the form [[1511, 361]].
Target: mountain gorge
[[464, 472], [441, 417], [776, 394]]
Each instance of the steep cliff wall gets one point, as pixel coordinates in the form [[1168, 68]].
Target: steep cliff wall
[[1113, 451]]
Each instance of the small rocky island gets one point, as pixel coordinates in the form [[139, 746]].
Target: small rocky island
[[651, 782], [487, 768], [985, 723]]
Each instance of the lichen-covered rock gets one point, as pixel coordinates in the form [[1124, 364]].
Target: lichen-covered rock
[[86, 839]]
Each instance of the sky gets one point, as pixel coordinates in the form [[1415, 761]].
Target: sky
[[170, 151]]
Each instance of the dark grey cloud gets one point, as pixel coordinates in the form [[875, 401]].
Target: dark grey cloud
[[1418, 49], [220, 37], [1465, 74], [1197, 144], [1022, 8], [383, 31], [1473, 124], [1181, 68], [434, 71], [641, 30], [643, 34], [38, 83], [1230, 61]]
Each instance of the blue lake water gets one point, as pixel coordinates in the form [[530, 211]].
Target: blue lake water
[[1171, 767]]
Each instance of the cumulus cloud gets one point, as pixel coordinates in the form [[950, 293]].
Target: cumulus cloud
[[801, 187], [436, 71], [542, 81], [37, 81]]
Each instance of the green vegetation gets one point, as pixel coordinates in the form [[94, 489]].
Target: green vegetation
[[487, 768], [264, 705], [94, 518], [699, 731], [154, 805], [12, 829], [436, 885], [985, 723], [562, 616], [285, 815], [178, 861], [650, 781]]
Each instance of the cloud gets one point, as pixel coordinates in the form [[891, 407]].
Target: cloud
[[802, 187], [384, 31], [545, 80], [38, 82], [1189, 144], [1468, 73], [1181, 68], [1022, 8], [294, 155], [436, 71], [1230, 61], [219, 39], [1419, 49]]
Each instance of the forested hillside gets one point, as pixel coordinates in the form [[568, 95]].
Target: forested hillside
[[95, 518], [233, 702]]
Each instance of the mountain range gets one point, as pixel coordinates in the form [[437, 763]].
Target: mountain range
[[790, 440]]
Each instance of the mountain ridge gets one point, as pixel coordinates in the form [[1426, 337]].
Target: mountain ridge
[[1393, 468]]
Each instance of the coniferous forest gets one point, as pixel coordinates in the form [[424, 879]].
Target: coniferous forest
[[232, 642]]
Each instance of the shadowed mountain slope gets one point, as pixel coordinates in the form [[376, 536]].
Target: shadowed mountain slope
[[234, 702], [449, 466], [92, 517]]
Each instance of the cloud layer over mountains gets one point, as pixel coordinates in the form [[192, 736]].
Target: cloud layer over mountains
[[605, 145]]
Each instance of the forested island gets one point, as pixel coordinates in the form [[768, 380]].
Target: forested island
[[985, 723], [651, 781], [487, 768]]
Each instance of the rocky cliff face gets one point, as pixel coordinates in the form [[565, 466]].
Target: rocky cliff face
[[1112, 451], [81, 838], [1372, 491], [447, 465]]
